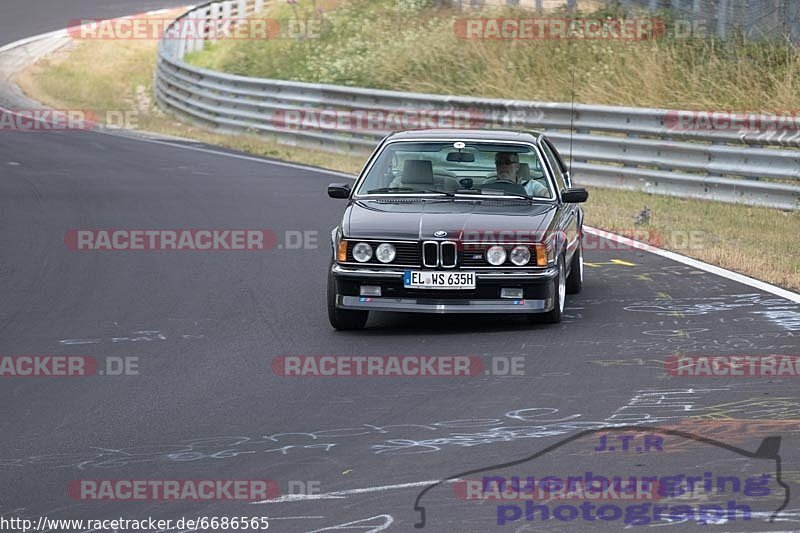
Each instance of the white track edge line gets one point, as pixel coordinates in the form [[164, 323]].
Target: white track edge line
[[696, 263]]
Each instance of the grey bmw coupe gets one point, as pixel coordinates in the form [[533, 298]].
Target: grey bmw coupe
[[457, 221]]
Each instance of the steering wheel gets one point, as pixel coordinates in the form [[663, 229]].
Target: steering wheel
[[505, 185]]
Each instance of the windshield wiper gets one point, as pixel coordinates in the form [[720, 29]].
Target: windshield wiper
[[389, 189], [433, 191], [408, 189], [493, 192]]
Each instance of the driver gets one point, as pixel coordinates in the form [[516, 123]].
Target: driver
[[507, 166]]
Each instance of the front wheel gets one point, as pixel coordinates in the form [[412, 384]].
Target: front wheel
[[343, 319], [575, 278], [559, 295]]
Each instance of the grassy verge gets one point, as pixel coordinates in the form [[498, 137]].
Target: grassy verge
[[117, 75], [108, 75], [760, 242], [387, 44]]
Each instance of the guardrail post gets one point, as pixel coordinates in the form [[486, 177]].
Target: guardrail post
[[191, 42], [722, 19], [180, 40], [751, 21], [201, 22], [242, 9], [793, 18], [166, 48], [259, 6], [213, 21], [227, 16]]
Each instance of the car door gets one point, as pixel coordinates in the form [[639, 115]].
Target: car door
[[569, 214]]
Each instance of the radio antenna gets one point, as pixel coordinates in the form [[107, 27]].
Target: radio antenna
[[571, 116]]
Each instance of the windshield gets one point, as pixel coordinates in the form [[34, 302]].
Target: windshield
[[463, 168]]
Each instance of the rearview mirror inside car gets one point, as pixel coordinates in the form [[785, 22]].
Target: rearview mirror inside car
[[461, 157], [574, 196], [339, 190]]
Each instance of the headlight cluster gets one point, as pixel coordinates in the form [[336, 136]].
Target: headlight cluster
[[496, 255], [519, 255], [363, 252]]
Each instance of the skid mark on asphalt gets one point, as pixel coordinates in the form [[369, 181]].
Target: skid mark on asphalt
[[393, 439], [774, 310]]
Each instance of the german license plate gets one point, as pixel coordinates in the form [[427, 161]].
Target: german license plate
[[428, 279]]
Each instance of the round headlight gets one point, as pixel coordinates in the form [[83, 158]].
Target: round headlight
[[520, 255], [385, 252], [362, 252], [496, 255]]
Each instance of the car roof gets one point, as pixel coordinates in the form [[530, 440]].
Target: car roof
[[475, 134]]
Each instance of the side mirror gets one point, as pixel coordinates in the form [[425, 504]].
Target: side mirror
[[574, 196], [339, 190]]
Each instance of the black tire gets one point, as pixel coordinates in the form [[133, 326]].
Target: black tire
[[559, 293], [343, 319], [575, 278]]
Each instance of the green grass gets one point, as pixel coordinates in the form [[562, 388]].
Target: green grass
[[757, 241], [118, 75], [370, 43]]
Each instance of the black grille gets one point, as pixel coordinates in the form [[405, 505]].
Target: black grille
[[430, 254], [448, 254], [407, 253]]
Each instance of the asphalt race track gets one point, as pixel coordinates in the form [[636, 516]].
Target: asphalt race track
[[206, 325]]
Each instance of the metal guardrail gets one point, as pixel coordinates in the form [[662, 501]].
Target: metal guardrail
[[618, 147]]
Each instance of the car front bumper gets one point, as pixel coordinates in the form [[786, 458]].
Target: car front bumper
[[538, 292]]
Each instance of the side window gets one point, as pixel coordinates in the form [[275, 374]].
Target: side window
[[560, 160], [554, 165]]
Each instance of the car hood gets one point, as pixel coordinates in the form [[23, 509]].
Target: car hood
[[415, 219]]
